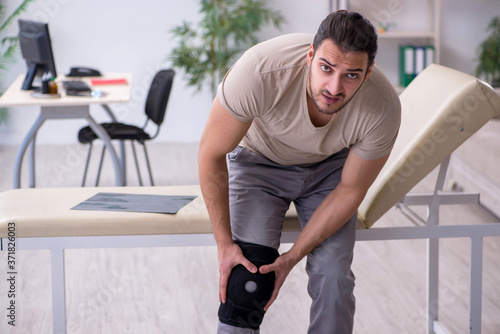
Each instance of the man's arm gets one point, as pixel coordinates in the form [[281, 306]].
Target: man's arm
[[221, 135], [333, 212]]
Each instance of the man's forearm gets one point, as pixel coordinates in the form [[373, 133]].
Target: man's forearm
[[214, 186], [336, 209], [329, 217]]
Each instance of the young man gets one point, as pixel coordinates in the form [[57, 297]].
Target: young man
[[302, 119]]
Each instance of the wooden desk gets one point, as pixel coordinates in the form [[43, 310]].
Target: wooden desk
[[66, 107]]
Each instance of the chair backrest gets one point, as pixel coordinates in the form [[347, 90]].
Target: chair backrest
[[441, 108], [159, 92]]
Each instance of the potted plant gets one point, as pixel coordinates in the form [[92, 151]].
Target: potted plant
[[8, 48], [489, 56], [228, 27]]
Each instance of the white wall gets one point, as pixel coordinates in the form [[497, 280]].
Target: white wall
[[123, 36]]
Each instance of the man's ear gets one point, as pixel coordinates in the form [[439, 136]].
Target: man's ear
[[369, 71], [310, 55]]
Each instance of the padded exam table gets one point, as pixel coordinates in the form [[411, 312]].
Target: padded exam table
[[441, 109]]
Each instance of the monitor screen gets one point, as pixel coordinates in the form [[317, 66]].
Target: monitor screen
[[36, 49]]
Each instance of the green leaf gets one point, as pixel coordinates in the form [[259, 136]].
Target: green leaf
[[227, 28], [21, 8], [489, 53]]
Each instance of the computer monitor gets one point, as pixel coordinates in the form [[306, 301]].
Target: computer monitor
[[36, 49]]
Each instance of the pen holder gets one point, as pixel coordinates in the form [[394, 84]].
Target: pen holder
[[45, 86]]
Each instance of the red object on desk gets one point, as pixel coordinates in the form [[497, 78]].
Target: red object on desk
[[97, 82]]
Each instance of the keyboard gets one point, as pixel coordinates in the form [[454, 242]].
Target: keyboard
[[76, 87]]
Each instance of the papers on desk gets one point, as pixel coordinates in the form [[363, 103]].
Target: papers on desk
[[134, 203], [99, 82]]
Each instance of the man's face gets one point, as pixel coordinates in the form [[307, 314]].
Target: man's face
[[334, 76]]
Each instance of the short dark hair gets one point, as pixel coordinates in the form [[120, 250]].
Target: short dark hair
[[350, 31]]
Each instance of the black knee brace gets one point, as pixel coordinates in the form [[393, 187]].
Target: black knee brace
[[248, 293]]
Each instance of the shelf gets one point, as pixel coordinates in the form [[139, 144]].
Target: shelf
[[406, 34]]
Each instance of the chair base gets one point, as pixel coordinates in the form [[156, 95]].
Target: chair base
[[148, 164]]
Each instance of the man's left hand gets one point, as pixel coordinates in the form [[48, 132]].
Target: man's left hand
[[281, 267]]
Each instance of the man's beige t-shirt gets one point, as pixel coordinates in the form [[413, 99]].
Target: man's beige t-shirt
[[267, 85]]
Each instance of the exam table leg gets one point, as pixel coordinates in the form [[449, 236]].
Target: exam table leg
[[58, 291]]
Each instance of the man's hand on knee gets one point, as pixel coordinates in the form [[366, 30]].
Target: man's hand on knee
[[281, 267], [248, 292], [229, 257]]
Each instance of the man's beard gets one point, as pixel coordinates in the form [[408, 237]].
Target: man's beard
[[324, 111]]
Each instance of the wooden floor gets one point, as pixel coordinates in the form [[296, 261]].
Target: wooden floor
[[174, 290]]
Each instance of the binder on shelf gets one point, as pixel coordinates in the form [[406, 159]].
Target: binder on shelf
[[430, 51], [412, 60], [419, 59], [406, 64]]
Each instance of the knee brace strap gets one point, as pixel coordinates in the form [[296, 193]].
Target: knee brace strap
[[248, 293]]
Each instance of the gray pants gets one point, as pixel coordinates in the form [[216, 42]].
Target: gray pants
[[260, 193]]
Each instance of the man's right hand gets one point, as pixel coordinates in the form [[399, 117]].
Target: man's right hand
[[229, 257]]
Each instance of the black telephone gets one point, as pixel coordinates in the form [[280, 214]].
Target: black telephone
[[83, 72]]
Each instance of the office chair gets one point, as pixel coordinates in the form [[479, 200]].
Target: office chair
[[155, 109]]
